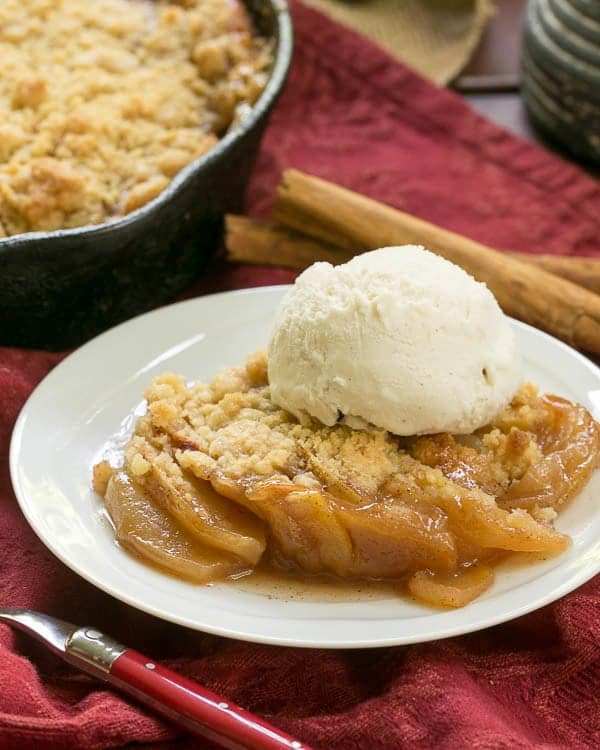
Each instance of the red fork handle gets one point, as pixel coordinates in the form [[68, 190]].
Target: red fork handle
[[194, 708]]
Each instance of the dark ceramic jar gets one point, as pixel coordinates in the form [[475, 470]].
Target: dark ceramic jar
[[59, 288], [561, 72]]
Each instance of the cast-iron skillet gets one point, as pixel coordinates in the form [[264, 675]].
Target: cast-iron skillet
[[58, 289]]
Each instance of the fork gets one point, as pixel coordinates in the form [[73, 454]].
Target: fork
[[184, 702]]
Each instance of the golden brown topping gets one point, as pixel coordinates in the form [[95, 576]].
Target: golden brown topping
[[106, 101], [223, 460]]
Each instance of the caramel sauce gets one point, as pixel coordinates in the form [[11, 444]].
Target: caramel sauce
[[273, 583]]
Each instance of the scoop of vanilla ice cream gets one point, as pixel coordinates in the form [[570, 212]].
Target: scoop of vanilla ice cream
[[399, 338]]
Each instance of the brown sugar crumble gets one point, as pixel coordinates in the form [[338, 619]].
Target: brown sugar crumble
[[233, 471], [103, 102]]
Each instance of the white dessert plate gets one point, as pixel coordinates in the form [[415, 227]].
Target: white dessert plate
[[84, 407]]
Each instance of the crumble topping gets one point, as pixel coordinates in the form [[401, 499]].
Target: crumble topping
[[231, 428], [239, 474], [103, 102]]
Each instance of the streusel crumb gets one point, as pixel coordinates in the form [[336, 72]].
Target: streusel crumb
[[231, 428], [246, 479], [103, 102]]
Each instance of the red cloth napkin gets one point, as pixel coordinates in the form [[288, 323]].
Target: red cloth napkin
[[354, 115]]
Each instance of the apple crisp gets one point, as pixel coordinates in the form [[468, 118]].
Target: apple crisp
[[105, 101], [232, 474]]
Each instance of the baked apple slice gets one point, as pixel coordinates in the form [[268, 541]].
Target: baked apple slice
[[570, 444], [204, 514], [149, 532]]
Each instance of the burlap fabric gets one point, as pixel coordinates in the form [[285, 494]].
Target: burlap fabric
[[435, 37]]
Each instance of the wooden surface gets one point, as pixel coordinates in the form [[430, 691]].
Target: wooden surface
[[507, 109], [498, 54], [490, 82]]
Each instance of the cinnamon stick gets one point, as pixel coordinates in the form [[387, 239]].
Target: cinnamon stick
[[251, 241], [260, 242], [343, 218], [582, 271]]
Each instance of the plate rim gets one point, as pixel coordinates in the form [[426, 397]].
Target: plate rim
[[575, 580]]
